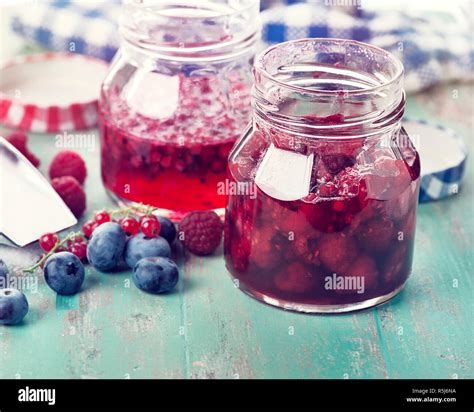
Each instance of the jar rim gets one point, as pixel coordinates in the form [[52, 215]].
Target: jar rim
[[231, 10], [260, 68], [240, 18]]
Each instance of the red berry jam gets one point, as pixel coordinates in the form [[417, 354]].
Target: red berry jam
[[323, 188], [174, 163], [350, 240]]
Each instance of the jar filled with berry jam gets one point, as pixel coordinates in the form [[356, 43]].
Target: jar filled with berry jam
[[175, 100], [323, 187]]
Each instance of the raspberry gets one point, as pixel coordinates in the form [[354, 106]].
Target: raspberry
[[365, 267], [350, 148], [376, 234], [320, 174], [318, 215], [349, 184], [72, 193], [337, 251], [324, 218], [398, 260], [20, 140], [201, 232], [294, 278], [68, 163], [288, 220], [239, 254], [264, 254], [369, 211], [306, 248], [336, 163]]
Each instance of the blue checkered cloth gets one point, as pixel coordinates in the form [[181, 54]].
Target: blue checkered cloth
[[446, 182], [85, 27], [434, 47]]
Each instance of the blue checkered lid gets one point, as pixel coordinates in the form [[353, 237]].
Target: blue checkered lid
[[443, 157]]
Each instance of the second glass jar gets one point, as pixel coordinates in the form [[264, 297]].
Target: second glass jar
[[176, 98]]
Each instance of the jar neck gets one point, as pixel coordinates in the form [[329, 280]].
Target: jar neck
[[328, 88], [201, 31]]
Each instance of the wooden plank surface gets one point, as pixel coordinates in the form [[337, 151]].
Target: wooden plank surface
[[208, 329]]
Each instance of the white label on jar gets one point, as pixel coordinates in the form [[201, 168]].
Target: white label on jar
[[153, 95], [284, 174]]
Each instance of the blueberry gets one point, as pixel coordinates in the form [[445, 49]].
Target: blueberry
[[64, 273], [140, 246], [106, 246], [168, 229], [13, 306], [3, 274], [155, 274]]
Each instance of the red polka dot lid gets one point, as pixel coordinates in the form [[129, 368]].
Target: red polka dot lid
[[51, 92]]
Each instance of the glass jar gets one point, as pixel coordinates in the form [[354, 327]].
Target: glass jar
[[176, 98], [324, 184]]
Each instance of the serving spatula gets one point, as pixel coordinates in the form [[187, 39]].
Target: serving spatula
[[29, 206]]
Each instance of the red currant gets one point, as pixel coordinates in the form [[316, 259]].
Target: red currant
[[130, 226], [75, 239], [150, 226], [102, 217], [79, 249], [48, 241], [88, 228], [148, 217]]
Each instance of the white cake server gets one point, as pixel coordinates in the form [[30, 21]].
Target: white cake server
[[29, 206]]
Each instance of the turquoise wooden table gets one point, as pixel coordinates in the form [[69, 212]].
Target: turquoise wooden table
[[208, 329]]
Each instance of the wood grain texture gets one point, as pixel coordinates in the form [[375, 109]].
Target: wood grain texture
[[208, 329]]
